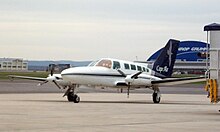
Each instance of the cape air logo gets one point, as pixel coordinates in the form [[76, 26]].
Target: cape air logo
[[162, 69], [165, 68]]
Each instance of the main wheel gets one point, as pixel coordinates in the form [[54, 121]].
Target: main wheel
[[76, 99], [156, 98]]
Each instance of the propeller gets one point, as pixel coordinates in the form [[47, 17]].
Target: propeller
[[129, 86], [135, 76], [52, 67], [42, 83], [57, 84], [51, 77], [129, 79], [121, 72]]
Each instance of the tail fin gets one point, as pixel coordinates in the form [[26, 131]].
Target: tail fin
[[163, 65]]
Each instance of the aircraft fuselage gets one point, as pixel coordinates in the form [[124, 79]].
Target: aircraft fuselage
[[104, 73]]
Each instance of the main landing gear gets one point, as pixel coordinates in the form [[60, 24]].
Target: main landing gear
[[71, 96], [156, 95]]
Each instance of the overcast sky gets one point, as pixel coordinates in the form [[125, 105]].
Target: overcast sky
[[93, 29]]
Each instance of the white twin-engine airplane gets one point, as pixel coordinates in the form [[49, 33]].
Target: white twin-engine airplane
[[115, 73]]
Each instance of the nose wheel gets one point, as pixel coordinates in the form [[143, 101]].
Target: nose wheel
[[73, 97], [70, 93]]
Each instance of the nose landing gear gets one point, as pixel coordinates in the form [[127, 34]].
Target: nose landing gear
[[71, 96]]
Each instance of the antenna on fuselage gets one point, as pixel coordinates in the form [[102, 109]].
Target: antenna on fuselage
[[136, 58]]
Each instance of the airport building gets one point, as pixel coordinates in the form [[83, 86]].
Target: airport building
[[191, 57], [13, 64], [58, 68]]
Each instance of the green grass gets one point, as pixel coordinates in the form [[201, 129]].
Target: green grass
[[189, 75], [4, 75], [185, 75]]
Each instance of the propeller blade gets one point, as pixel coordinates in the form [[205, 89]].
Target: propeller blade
[[57, 84], [121, 72], [52, 69], [135, 76], [129, 85], [40, 84]]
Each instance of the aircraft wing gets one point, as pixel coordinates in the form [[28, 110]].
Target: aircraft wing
[[28, 78], [176, 81]]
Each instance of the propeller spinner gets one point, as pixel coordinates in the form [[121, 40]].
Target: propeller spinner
[[51, 77]]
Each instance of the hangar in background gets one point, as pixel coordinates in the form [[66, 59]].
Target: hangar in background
[[191, 57], [13, 64]]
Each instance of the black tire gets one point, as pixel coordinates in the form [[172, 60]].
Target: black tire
[[156, 100], [76, 99], [70, 97]]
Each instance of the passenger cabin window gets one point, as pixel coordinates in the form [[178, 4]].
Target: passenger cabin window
[[105, 63], [147, 70], [133, 67], [144, 69], [139, 68], [116, 65], [127, 66]]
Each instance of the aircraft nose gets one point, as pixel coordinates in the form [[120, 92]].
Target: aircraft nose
[[72, 71], [65, 72]]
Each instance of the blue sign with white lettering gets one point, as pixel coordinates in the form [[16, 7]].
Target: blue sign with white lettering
[[187, 51]]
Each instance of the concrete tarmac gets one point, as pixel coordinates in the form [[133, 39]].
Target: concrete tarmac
[[44, 112], [107, 112]]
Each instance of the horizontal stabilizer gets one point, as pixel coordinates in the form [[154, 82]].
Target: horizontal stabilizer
[[175, 81]]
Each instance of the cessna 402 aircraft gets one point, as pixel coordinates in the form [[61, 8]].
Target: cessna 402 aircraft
[[115, 73]]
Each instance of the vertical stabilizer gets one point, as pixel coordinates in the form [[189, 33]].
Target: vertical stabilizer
[[163, 65]]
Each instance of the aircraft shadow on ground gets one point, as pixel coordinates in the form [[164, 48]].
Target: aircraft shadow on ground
[[120, 102]]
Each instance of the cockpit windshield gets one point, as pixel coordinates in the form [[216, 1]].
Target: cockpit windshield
[[92, 63], [104, 63]]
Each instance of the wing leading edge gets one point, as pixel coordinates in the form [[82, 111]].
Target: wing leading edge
[[28, 78]]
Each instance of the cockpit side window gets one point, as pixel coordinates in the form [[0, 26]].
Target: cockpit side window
[[147, 70], [105, 63], [116, 65]]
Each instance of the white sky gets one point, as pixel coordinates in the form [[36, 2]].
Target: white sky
[[93, 29]]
